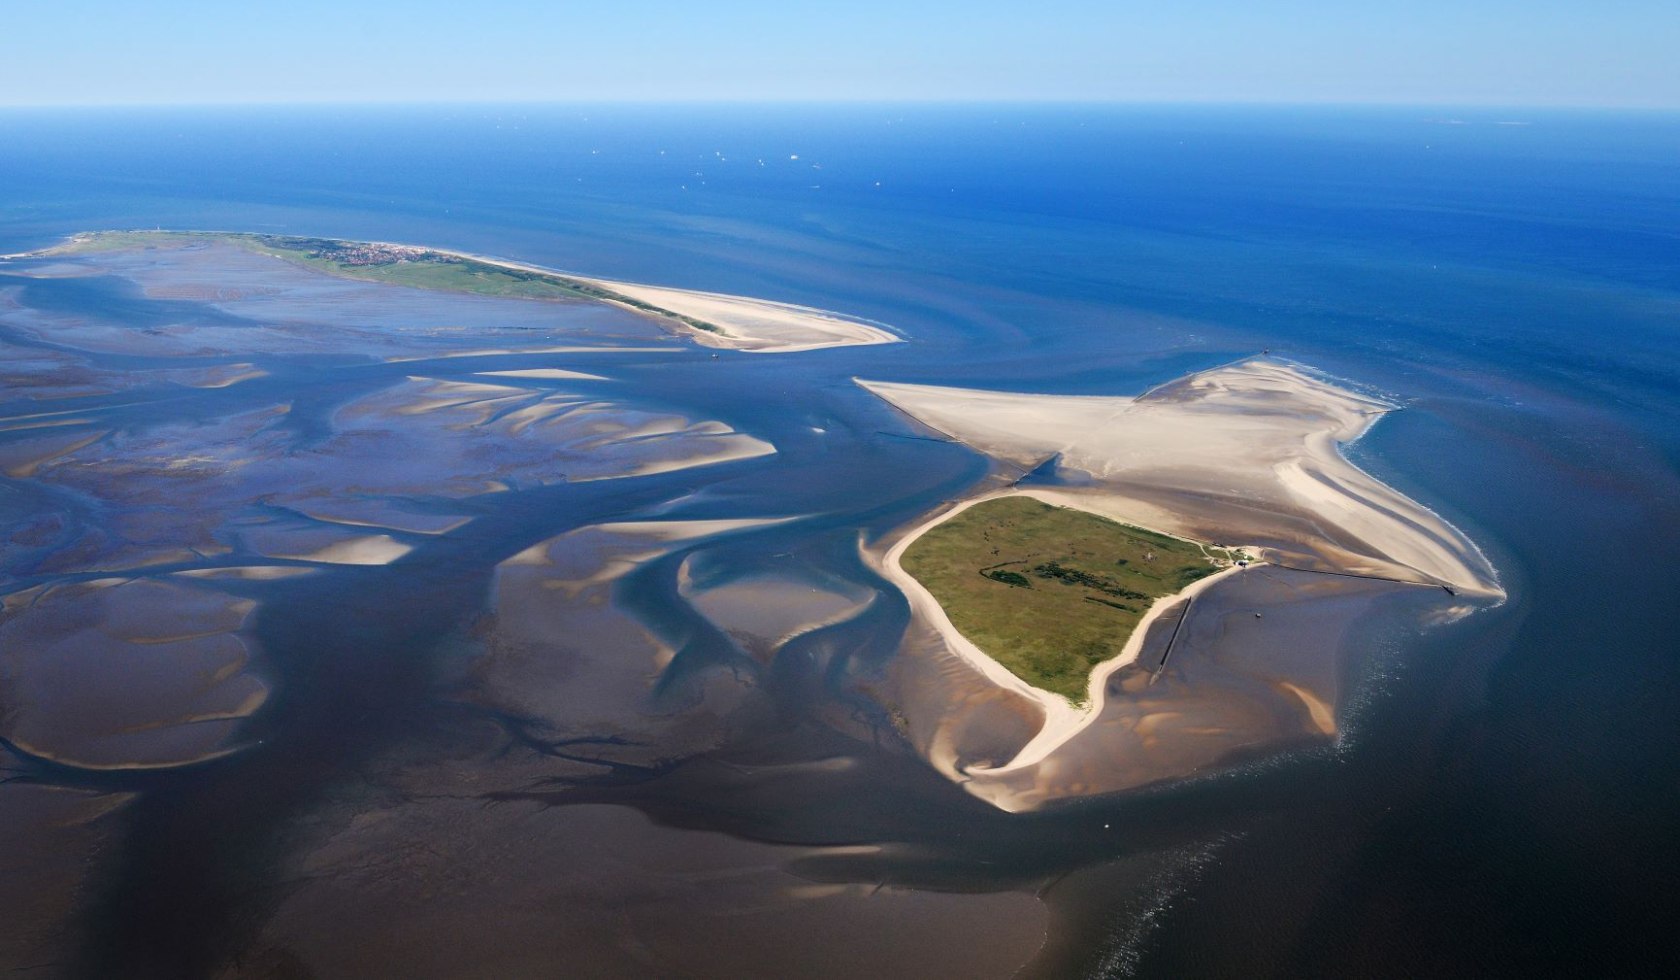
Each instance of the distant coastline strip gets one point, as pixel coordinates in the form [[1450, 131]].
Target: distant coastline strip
[[711, 319]]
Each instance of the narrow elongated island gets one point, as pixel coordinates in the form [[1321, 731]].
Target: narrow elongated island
[[712, 319]]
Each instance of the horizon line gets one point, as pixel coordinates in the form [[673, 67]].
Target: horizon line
[[841, 102]]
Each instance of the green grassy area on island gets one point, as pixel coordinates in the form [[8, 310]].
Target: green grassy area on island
[[1050, 592], [398, 265]]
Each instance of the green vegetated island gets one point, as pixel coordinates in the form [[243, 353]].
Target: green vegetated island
[[1050, 592], [401, 265]]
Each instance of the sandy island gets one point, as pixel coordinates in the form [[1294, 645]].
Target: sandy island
[[1246, 455], [711, 319]]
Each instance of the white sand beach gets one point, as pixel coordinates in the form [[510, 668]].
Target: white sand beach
[[757, 326], [753, 325]]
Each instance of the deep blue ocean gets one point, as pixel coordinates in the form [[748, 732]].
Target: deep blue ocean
[[1508, 799]]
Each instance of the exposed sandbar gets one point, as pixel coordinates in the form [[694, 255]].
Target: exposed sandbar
[[373, 549]]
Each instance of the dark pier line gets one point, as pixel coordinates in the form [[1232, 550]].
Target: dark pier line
[[1374, 578], [1173, 639]]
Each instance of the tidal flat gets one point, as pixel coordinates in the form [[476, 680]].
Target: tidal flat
[[344, 611], [469, 761]]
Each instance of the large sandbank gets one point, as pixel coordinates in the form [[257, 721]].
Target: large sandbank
[[1248, 453], [1245, 455]]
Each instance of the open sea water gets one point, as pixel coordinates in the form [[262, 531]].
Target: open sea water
[[1506, 797]]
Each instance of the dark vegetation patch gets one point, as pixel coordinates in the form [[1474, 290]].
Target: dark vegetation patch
[[1050, 592]]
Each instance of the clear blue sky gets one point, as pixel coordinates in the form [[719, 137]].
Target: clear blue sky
[[1530, 52]]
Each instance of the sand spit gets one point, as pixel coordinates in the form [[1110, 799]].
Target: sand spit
[[753, 325], [1245, 455], [758, 326]]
